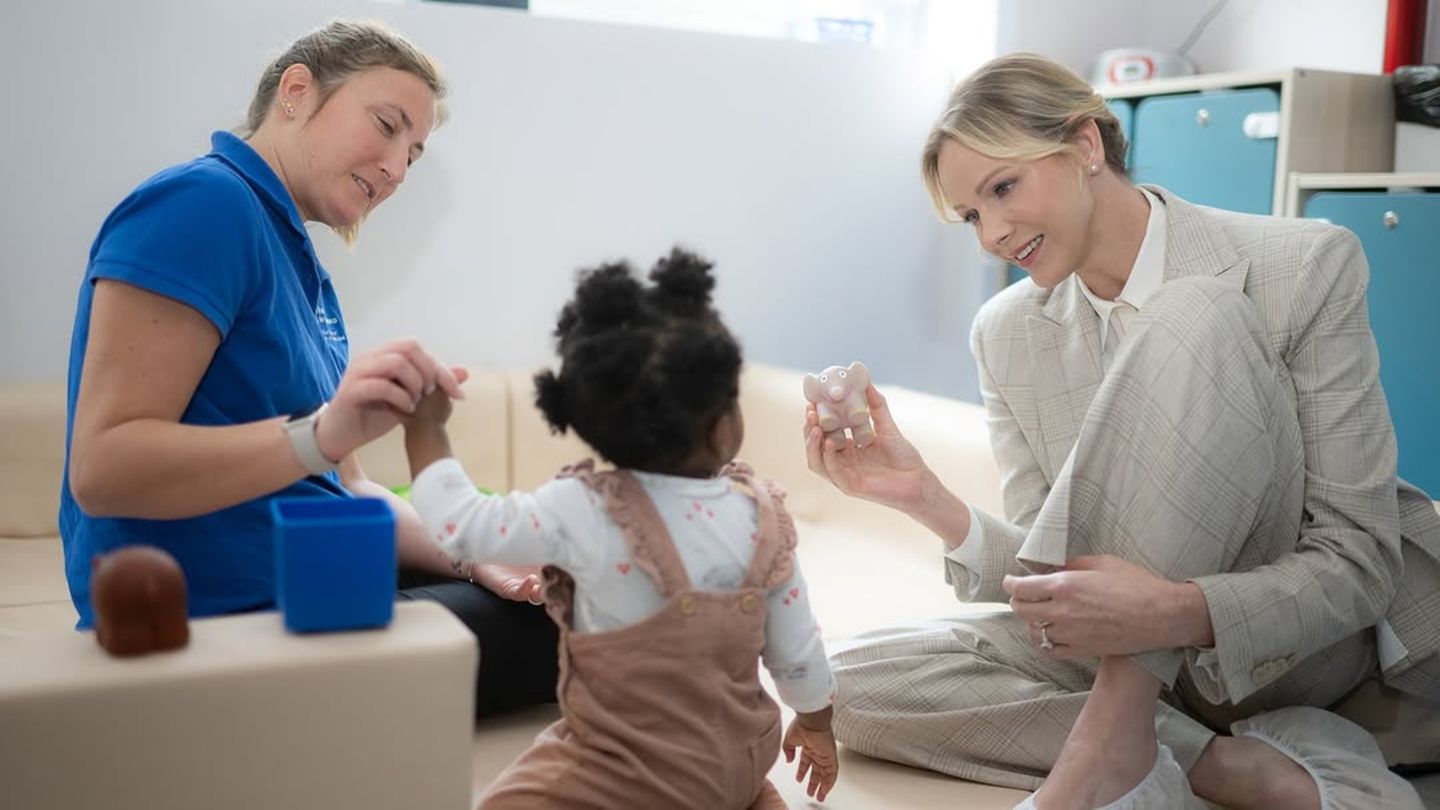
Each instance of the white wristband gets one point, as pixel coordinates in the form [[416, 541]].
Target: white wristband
[[300, 429]]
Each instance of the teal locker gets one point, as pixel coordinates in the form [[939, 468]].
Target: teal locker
[[1195, 145], [1401, 234], [1125, 114]]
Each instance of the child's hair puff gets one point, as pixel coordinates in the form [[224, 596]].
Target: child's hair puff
[[644, 371]]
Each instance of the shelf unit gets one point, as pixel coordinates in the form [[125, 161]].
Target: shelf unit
[[1301, 186], [1191, 131], [1328, 121]]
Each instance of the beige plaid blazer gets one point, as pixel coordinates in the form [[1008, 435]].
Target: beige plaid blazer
[[1370, 544]]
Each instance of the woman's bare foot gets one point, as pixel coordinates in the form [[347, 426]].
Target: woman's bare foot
[[1094, 772], [1245, 773], [1112, 746]]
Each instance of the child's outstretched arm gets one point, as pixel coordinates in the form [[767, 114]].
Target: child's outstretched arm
[[515, 529], [426, 439], [795, 655], [500, 541]]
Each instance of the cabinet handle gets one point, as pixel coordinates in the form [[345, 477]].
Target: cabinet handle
[[1202, 117], [1391, 220], [1261, 125]]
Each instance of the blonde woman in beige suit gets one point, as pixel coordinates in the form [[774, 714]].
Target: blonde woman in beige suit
[[1205, 543]]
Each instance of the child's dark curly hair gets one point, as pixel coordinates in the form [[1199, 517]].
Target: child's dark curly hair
[[644, 371]]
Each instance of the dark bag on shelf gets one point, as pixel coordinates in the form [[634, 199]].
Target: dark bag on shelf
[[1417, 94]]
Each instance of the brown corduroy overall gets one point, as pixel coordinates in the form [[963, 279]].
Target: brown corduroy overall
[[668, 712]]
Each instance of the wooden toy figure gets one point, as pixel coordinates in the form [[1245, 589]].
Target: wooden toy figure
[[139, 597], [839, 396]]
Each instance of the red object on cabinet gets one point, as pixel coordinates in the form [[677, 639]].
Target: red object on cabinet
[[1404, 34]]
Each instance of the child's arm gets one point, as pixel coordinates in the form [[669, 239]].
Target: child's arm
[[516, 529], [426, 440], [795, 656], [519, 528], [794, 652]]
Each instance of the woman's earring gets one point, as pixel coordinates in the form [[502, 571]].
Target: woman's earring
[[290, 110], [1094, 168]]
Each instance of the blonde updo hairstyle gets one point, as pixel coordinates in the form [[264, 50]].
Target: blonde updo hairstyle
[[1020, 107], [333, 54]]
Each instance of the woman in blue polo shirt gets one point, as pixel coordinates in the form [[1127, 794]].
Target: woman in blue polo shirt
[[209, 364]]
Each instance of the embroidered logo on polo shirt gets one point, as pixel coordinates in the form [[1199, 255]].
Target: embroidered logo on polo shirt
[[329, 327]]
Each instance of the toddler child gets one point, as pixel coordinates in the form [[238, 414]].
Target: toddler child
[[669, 576]]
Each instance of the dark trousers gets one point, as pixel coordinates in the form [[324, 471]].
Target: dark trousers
[[518, 641]]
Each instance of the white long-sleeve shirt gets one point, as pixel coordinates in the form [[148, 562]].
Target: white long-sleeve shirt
[[564, 523]]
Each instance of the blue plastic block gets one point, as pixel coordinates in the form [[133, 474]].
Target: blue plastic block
[[334, 563]]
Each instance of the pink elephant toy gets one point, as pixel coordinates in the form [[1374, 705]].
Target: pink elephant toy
[[839, 396], [139, 597]]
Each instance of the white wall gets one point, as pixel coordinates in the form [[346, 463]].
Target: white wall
[[1070, 32], [890, 22], [1345, 35], [792, 165]]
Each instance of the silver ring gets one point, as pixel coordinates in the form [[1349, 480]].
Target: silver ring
[[1045, 642]]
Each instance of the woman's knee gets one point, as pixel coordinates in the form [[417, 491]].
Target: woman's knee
[[1191, 324], [1207, 307]]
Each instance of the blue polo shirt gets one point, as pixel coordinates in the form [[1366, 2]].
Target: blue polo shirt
[[219, 234]]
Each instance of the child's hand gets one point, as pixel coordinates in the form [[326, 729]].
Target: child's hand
[[426, 440], [518, 583], [433, 408], [817, 754]]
